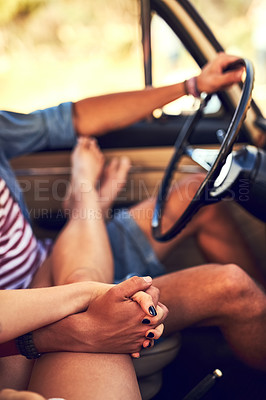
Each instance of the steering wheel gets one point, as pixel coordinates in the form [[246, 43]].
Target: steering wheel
[[206, 194]]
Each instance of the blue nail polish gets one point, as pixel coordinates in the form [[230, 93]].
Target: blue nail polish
[[152, 311], [146, 321], [150, 335]]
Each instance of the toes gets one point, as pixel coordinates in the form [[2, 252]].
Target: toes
[[83, 141], [118, 167], [125, 164], [112, 166]]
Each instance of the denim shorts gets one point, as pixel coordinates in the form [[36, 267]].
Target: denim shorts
[[132, 251]]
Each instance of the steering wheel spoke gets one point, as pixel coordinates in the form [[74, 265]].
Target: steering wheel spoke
[[203, 157]]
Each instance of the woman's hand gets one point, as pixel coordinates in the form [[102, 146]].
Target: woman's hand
[[10, 394], [124, 316]]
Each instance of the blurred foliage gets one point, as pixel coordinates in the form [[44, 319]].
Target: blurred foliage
[[230, 22], [225, 8], [13, 9], [56, 50], [65, 49], [29, 24]]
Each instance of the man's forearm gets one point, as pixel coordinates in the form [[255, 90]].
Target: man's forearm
[[64, 335], [51, 338], [98, 115]]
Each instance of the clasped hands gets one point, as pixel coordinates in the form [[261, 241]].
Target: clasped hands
[[121, 318]]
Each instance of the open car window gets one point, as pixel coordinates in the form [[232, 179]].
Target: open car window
[[171, 61], [240, 27]]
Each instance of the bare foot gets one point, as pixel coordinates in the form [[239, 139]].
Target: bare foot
[[87, 164], [113, 179]]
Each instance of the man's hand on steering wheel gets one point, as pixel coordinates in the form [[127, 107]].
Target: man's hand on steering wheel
[[213, 76], [219, 73]]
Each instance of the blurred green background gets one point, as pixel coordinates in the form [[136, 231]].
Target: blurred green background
[[57, 50]]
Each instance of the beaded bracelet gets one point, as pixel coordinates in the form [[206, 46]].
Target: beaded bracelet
[[26, 346], [191, 87]]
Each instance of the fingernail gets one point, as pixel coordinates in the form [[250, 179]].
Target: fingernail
[[149, 345], [135, 355], [147, 278], [150, 335], [146, 321], [152, 311]]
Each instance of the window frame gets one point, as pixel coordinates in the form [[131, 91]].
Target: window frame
[[171, 11]]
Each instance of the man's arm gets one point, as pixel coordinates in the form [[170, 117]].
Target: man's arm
[[98, 115], [53, 127]]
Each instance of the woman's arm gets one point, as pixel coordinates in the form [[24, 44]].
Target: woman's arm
[[22, 311], [10, 394]]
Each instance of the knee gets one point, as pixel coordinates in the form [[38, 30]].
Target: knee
[[78, 275], [241, 294], [235, 280], [214, 212], [88, 273]]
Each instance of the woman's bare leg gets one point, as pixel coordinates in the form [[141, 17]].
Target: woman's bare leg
[[82, 252], [113, 179], [82, 249], [85, 376], [21, 370]]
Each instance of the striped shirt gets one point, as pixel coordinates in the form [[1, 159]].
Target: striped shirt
[[21, 254]]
